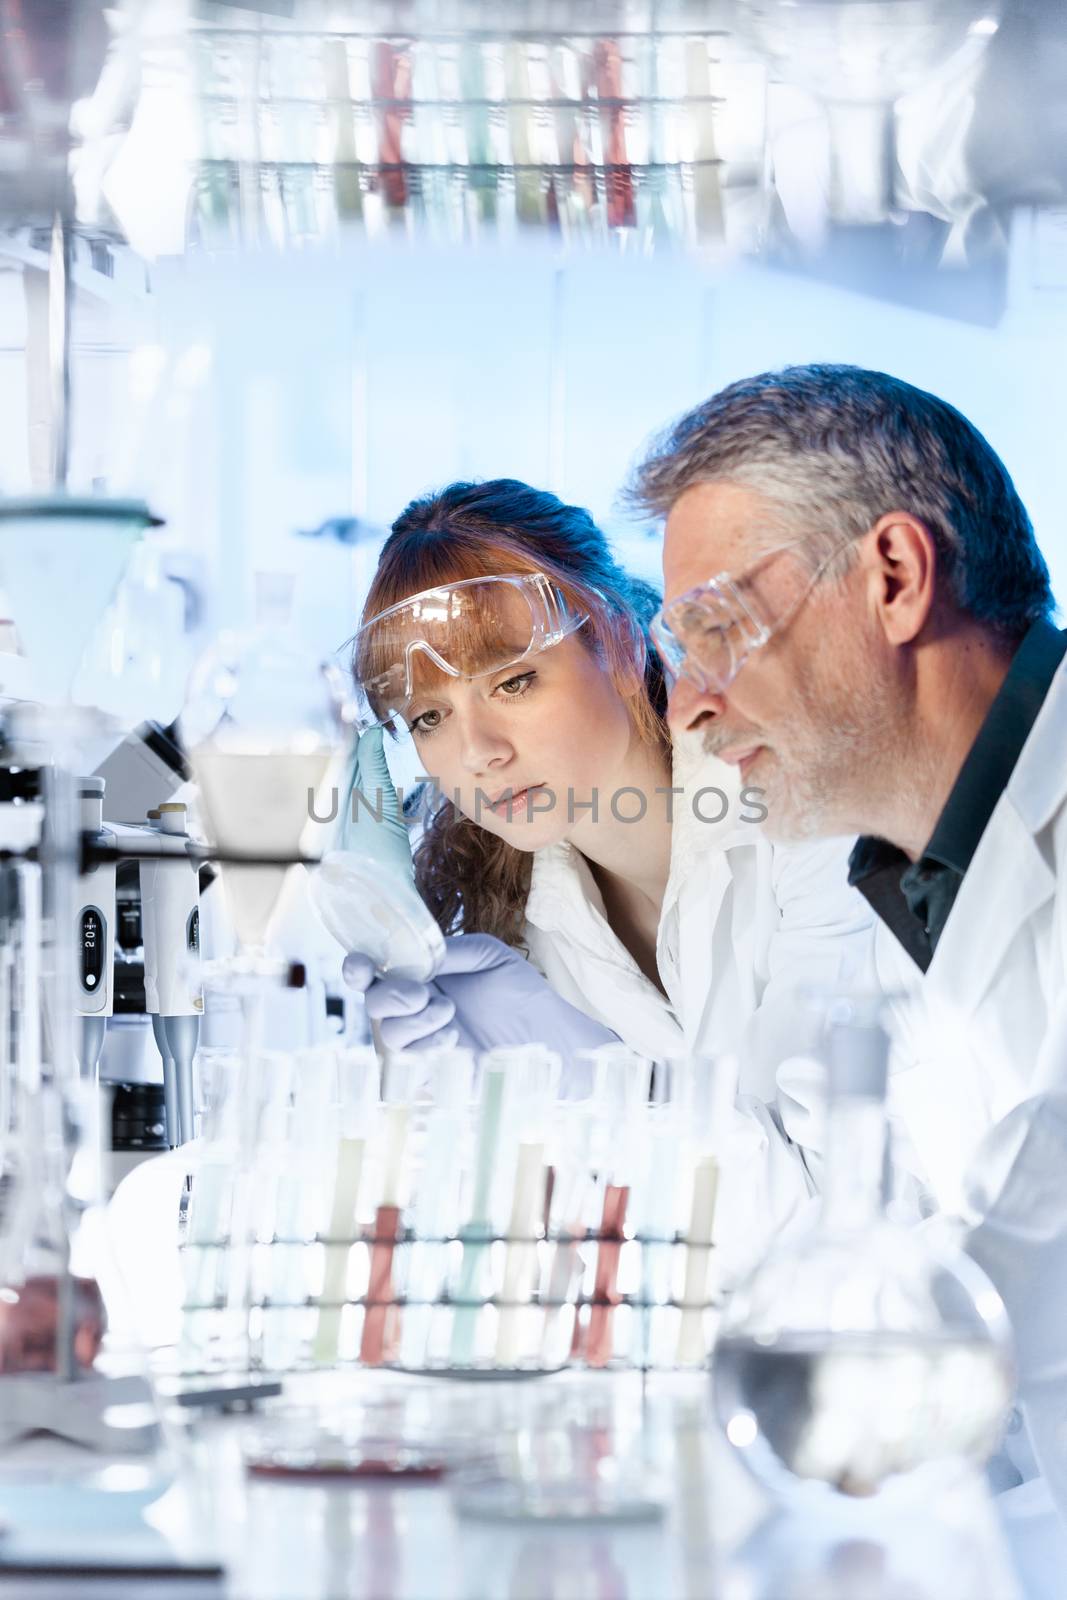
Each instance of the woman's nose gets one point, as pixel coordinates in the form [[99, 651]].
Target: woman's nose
[[482, 747]]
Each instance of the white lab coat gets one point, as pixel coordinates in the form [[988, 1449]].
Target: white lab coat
[[981, 1081], [746, 929]]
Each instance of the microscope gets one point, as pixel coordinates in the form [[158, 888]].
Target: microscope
[[137, 935]]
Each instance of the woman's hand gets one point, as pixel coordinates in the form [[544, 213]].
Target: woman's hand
[[370, 821], [484, 996]]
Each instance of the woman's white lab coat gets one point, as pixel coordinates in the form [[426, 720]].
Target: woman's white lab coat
[[750, 934]]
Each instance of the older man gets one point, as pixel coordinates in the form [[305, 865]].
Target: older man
[[858, 617]]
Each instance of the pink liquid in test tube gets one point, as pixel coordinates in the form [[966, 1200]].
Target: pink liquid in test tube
[[598, 1344]]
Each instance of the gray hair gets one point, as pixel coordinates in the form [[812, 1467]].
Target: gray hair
[[833, 448]]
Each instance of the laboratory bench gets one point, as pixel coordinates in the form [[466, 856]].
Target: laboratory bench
[[679, 1516]]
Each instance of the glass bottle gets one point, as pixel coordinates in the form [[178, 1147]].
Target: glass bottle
[[867, 1351]]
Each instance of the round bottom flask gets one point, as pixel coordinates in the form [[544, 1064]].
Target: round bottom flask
[[866, 1353]]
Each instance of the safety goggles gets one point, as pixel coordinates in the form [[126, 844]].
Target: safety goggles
[[708, 633], [466, 630]]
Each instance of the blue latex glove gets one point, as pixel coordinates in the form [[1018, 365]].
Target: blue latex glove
[[386, 840], [485, 996]]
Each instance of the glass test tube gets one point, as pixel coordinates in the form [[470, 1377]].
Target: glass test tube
[[259, 1082], [381, 1324], [656, 1211], [297, 1164], [218, 1176], [621, 1080], [357, 1094], [298, 1202], [711, 1089], [570, 1148], [535, 1074], [435, 1208], [478, 1227], [266, 1194]]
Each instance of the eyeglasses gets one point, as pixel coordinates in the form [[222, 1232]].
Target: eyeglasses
[[708, 633], [466, 630]]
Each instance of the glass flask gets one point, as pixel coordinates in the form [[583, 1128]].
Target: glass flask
[[858, 57], [263, 725], [866, 1352]]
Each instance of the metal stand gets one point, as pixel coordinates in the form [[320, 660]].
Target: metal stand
[[115, 1415]]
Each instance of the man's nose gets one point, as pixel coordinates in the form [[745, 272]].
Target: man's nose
[[692, 709]]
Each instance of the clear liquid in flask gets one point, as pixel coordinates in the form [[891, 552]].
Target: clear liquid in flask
[[853, 1410]]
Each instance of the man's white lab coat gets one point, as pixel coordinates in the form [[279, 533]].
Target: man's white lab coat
[[982, 1089], [750, 934]]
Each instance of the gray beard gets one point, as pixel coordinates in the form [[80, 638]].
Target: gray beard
[[841, 768]]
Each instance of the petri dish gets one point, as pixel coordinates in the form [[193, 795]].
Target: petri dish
[[368, 909]]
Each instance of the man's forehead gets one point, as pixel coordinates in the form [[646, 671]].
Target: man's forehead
[[712, 527]]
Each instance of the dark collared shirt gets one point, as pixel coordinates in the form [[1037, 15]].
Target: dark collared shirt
[[914, 899]]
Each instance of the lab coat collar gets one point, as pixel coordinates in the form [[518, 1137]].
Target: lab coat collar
[[564, 894], [1038, 786], [1009, 878]]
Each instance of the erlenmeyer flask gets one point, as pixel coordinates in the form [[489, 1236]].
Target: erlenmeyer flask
[[865, 1352]]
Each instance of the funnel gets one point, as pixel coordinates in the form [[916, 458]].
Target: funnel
[[61, 559]]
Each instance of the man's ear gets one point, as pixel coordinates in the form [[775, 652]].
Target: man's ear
[[899, 558]]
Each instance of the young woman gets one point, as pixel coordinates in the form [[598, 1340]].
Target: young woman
[[633, 878]]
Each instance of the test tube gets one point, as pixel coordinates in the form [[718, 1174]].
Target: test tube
[[656, 1211], [276, 1211], [621, 1079], [711, 1089], [476, 1230], [529, 193], [296, 1185], [260, 1077], [210, 1203], [535, 1082], [707, 186], [357, 1092], [381, 1324], [570, 1155], [618, 174], [434, 1213], [473, 94]]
